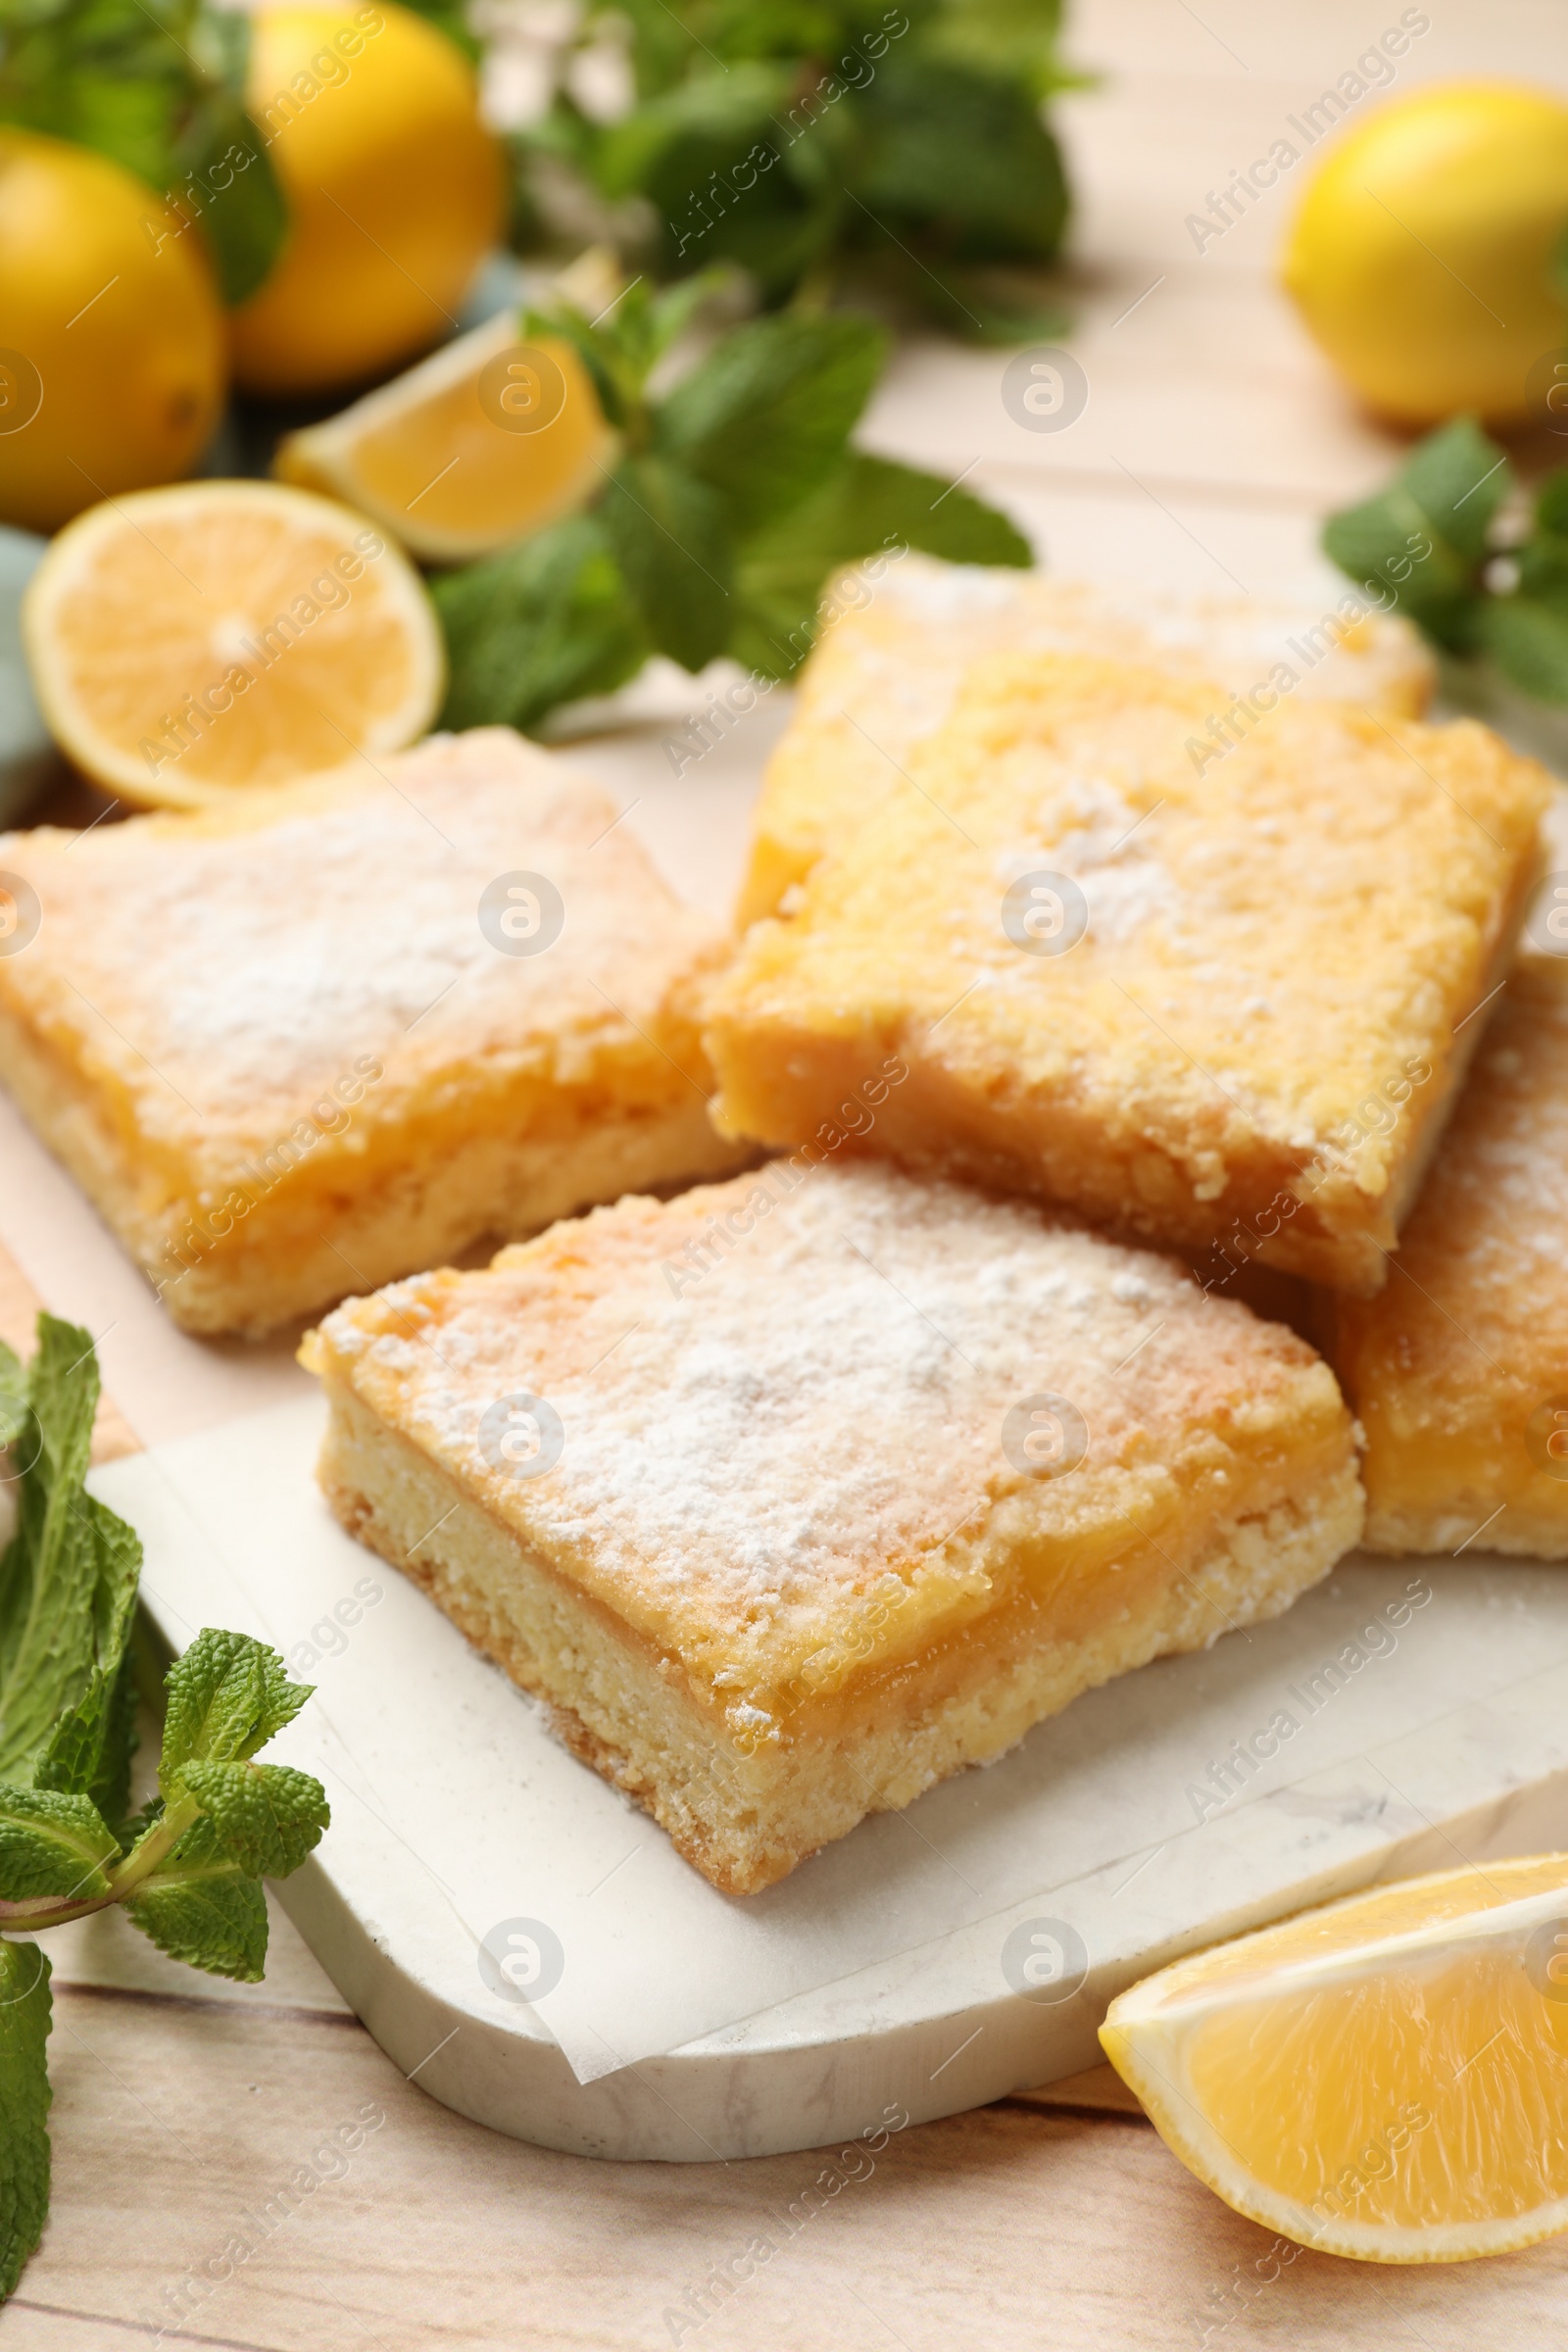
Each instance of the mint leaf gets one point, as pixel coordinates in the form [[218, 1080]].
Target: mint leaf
[[67, 1581], [879, 502], [1543, 560], [1011, 39], [1425, 536], [987, 304], [542, 623], [616, 378], [1373, 542], [198, 1898], [716, 114], [12, 1397], [1459, 479], [25, 2018], [63, 1392], [869, 506], [267, 1816], [68, 1595], [227, 1696], [1514, 610], [621, 346], [90, 1747], [1528, 639], [953, 149], [670, 313], [52, 1844], [1551, 504], [763, 420], [223, 173], [116, 1733], [202, 1907], [713, 158], [89, 1750], [118, 1550], [668, 536]]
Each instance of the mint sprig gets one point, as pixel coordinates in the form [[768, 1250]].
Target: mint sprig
[[736, 494], [187, 1869], [1444, 544], [808, 142], [26, 2009]]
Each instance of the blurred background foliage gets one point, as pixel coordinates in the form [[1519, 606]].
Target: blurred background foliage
[[807, 141], [159, 87], [821, 147]]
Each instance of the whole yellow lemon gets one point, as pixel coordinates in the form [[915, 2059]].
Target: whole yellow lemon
[[1422, 257], [112, 371], [394, 188]]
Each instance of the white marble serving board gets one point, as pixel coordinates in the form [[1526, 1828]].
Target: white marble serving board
[[688, 2024]]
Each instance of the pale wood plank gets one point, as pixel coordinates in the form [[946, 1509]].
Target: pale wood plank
[[1005, 2229], [107, 1952], [1221, 50], [1098, 2090], [181, 2102]]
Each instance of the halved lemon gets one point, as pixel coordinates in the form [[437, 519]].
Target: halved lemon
[[191, 642], [1386, 2077], [488, 439]]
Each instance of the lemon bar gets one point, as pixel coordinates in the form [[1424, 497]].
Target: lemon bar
[[1151, 980], [344, 1030], [795, 1494], [1459, 1371], [897, 639]]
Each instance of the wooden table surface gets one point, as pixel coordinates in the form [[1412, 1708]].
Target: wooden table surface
[[1213, 442]]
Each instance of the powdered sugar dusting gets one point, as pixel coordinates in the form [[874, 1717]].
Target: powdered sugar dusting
[[1499, 1212], [781, 1392], [1470, 1338], [233, 977], [964, 611]]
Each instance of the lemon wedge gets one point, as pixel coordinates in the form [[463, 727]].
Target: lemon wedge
[[189, 642], [1386, 2077], [490, 438]]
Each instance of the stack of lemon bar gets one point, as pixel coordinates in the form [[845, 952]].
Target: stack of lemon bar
[[898, 1384]]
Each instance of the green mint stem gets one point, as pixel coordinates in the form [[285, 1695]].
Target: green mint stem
[[139, 1864]]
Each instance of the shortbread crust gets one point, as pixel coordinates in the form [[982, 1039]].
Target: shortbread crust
[[1459, 1370], [284, 1056], [768, 1554], [1275, 938], [898, 638]]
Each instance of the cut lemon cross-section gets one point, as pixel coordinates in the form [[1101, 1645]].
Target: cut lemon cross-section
[[483, 442], [189, 642], [1385, 2077]]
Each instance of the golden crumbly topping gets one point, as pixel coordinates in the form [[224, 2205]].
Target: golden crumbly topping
[[889, 663], [783, 1409], [1271, 936], [1474, 1323], [213, 978]]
